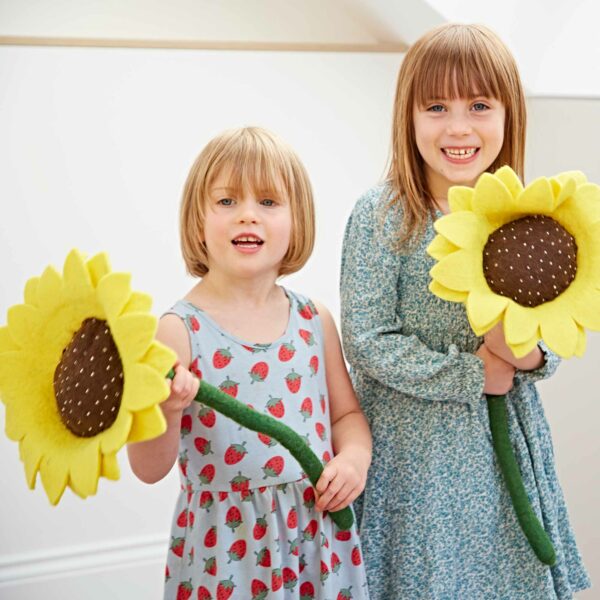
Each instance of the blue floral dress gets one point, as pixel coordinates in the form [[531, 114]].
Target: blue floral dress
[[244, 525], [436, 520]]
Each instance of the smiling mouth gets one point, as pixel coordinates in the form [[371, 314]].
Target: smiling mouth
[[460, 153], [247, 241]]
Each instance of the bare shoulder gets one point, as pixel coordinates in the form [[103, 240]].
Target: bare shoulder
[[329, 326], [173, 333]]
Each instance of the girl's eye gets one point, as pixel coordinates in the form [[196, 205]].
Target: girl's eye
[[268, 202], [480, 106], [436, 108], [225, 202]]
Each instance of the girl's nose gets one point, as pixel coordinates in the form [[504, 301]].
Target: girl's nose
[[247, 213], [458, 125]]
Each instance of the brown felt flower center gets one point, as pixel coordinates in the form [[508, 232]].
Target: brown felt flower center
[[531, 260], [88, 380]]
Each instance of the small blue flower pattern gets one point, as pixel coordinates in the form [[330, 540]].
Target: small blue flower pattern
[[435, 519]]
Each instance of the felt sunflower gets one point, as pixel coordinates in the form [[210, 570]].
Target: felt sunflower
[[528, 256], [80, 374]]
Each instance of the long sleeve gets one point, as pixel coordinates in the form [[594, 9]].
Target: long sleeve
[[551, 362], [372, 329]]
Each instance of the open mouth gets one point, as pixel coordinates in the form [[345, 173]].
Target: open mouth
[[247, 241], [460, 153]]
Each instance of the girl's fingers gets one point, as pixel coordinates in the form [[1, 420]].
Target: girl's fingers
[[331, 491], [328, 474], [349, 499], [339, 497]]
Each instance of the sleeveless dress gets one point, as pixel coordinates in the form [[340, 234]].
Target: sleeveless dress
[[244, 524]]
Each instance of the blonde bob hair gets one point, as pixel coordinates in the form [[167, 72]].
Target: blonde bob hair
[[259, 162], [451, 61]]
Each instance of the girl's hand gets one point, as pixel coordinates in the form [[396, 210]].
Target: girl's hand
[[497, 372], [342, 480], [184, 388]]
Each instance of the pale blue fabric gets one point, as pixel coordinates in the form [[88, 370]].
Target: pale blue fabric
[[435, 519]]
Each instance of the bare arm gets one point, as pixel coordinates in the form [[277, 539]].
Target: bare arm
[[344, 477], [152, 460]]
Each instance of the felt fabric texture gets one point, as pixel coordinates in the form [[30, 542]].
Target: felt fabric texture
[[499, 199], [31, 349]]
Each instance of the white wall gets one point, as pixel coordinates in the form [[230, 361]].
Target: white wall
[[94, 148]]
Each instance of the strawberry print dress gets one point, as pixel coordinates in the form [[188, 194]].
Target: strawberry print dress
[[244, 525]]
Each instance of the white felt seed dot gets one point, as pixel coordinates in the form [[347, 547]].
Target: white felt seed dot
[[79, 403], [101, 423], [106, 397], [103, 349], [104, 386], [92, 373], [88, 413], [112, 380], [107, 367], [81, 370], [511, 267], [91, 358], [87, 390], [97, 402], [74, 349], [77, 384]]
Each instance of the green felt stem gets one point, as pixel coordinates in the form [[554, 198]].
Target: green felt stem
[[532, 528], [286, 436]]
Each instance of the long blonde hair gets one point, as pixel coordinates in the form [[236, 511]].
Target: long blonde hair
[[450, 61], [257, 160]]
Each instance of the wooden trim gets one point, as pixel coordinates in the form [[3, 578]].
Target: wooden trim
[[202, 45]]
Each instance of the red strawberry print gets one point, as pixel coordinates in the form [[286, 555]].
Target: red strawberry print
[[210, 539], [235, 453], [321, 431], [258, 589], [290, 579], [229, 387], [345, 594], [204, 594], [207, 416], [324, 572], [195, 369], [292, 518], [206, 500], [246, 495], [237, 551], [177, 544], [293, 381], [221, 358], [223, 496], [184, 590], [313, 365], [193, 323], [301, 563], [355, 556], [307, 336], [183, 462], [275, 407], [186, 425], [203, 445], [324, 540], [263, 557], [210, 565], [225, 588], [191, 557], [207, 474], [307, 591], [326, 457], [273, 467], [310, 531], [313, 308], [233, 518], [306, 409], [309, 497], [276, 580], [167, 573], [239, 483], [266, 440], [343, 536], [260, 528], [294, 546], [259, 372], [336, 563], [286, 352], [304, 311], [322, 401], [184, 518]]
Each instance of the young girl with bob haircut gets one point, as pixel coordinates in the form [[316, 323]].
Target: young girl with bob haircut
[[248, 523], [436, 519]]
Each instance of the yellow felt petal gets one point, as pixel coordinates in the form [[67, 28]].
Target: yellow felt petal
[[98, 266], [440, 247], [585, 307], [15, 425], [456, 271], [160, 358], [510, 179], [559, 332], [138, 302], [113, 293], [577, 176], [55, 474], [445, 293], [133, 334], [49, 288], [110, 467], [31, 291], [581, 341], [587, 197], [143, 387], [492, 200], [537, 197], [566, 188], [520, 323], [521, 350], [77, 281], [6, 342], [460, 198], [484, 309], [24, 322], [31, 455], [114, 438], [85, 468], [463, 229], [147, 424]]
